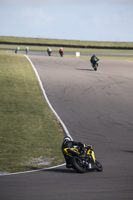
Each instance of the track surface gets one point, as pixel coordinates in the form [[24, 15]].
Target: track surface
[[97, 108]]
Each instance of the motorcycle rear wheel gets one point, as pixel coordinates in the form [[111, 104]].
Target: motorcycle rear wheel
[[78, 165]]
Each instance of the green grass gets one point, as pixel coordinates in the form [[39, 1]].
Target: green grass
[[58, 41], [28, 128], [69, 42]]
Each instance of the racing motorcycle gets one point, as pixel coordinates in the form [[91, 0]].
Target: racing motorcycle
[[49, 53], [61, 52], [95, 64], [83, 164]]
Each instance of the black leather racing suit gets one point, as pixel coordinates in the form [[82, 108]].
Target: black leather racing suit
[[92, 60], [72, 144]]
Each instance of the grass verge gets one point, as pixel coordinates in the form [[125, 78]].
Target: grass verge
[[28, 128], [61, 41]]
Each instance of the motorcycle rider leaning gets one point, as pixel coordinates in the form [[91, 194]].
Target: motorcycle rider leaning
[[49, 49], [68, 143], [61, 50], [93, 58]]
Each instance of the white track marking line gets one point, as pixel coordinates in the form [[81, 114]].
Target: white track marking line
[[44, 93]]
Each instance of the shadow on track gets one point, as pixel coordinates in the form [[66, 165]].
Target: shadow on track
[[67, 171], [85, 69], [127, 151], [62, 170]]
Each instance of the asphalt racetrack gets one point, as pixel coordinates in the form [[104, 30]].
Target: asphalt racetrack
[[97, 108]]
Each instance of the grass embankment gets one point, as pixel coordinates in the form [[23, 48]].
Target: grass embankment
[[69, 42], [28, 128]]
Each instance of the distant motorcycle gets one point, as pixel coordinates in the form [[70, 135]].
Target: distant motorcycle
[[27, 50], [49, 51], [83, 164], [95, 64], [61, 52]]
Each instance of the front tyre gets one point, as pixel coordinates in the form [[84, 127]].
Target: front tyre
[[61, 54], [77, 164], [95, 67], [99, 167]]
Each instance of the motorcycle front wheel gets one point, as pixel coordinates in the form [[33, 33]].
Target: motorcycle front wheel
[[77, 164], [61, 54], [95, 67], [99, 167]]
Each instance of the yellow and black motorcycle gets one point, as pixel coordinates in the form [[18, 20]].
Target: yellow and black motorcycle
[[82, 163]]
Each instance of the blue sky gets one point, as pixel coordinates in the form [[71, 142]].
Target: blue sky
[[97, 20]]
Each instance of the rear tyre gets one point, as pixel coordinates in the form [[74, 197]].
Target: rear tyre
[[78, 165], [99, 167]]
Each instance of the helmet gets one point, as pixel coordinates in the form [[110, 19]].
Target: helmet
[[67, 138]]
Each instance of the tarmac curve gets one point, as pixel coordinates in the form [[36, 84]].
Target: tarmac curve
[[97, 109]]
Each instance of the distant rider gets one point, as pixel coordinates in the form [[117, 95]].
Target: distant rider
[[49, 51], [27, 50], [61, 51], [68, 143], [93, 58]]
